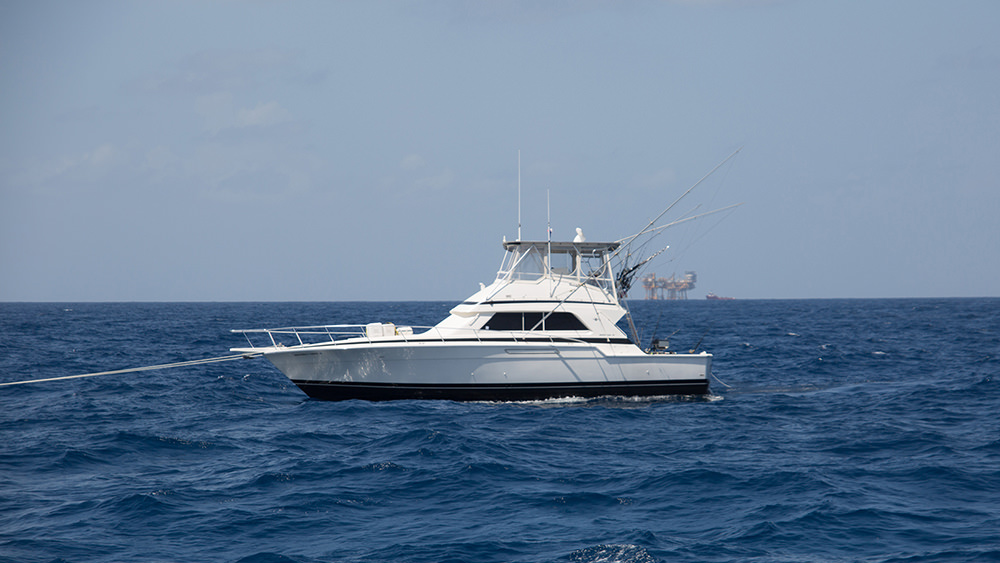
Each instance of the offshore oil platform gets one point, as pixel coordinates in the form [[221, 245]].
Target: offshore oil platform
[[668, 288]]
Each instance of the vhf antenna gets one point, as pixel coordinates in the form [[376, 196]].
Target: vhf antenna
[[519, 194]]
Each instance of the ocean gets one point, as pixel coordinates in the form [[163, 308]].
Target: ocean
[[836, 431]]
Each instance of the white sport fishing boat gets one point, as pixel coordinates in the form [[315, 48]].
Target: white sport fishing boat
[[545, 328]]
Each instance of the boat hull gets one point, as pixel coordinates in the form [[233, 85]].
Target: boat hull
[[502, 371], [342, 391]]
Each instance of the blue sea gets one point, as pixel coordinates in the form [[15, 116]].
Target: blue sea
[[836, 431]]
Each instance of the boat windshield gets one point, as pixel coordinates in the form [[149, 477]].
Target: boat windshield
[[583, 262]]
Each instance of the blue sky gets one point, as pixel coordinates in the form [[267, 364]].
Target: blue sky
[[285, 150]]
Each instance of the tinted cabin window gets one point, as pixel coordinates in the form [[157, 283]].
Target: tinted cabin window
[[533, 321], [527, 321], [505, 321], [563, 321]]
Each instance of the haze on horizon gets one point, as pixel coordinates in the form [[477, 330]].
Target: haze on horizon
[[332, 151]]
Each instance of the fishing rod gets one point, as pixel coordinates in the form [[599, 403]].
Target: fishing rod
[[701, 339], [627, 274]]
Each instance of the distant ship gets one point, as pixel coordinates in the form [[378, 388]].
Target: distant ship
[[717, 298]]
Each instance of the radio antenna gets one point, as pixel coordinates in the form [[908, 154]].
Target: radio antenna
[[518, 194], [548, 216]]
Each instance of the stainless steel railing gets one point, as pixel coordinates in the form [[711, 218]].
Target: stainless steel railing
[[383, 332]]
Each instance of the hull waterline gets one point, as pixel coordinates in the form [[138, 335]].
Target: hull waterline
[[341, 391]]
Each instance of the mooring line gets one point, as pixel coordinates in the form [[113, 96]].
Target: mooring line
[[144, 368]]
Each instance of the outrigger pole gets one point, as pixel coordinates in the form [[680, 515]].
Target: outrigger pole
[[627, 273], [628, 240], [692, 218]]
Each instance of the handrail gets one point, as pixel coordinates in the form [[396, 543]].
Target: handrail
[[345, 332]]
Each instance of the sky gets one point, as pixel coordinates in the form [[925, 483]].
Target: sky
[[218, 150]]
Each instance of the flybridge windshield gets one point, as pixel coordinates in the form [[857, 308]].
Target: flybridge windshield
[[585, 262]]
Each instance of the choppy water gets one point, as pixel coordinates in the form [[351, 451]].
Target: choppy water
[[845, 430]]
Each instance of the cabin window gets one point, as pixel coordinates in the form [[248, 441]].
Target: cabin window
[[506, 321], [563, 321], [527, 321]]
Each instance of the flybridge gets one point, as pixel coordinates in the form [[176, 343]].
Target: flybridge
[[583, 262]]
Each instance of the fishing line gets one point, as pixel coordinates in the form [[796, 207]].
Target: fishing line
[[715, 377], [144, 368], [689, 237], [721, 183], [683, 249]]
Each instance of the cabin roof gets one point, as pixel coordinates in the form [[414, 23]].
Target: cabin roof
[[561, 246]]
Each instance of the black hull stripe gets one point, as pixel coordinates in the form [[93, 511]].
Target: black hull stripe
[[341, 391]]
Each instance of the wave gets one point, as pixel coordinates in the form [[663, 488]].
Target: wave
[[871, 436]]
